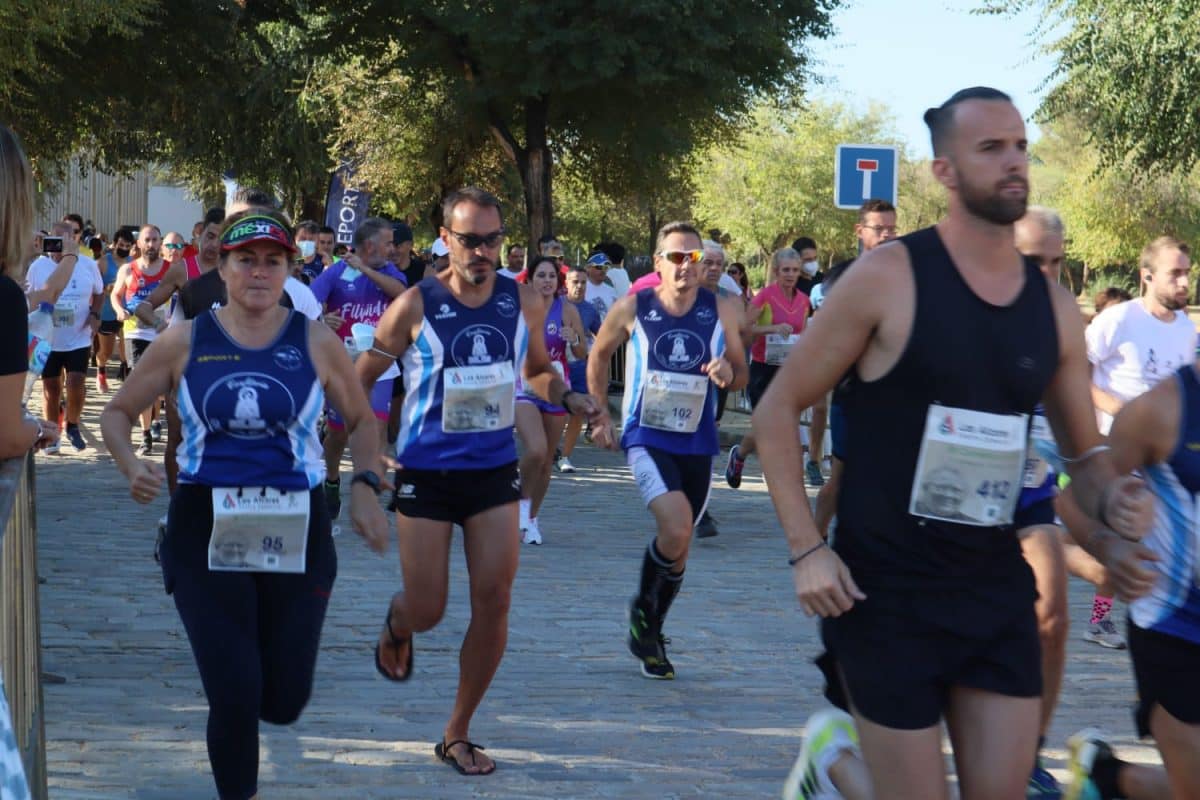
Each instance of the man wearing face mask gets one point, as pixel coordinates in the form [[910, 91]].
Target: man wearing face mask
[[810, 268], [311, 263], [354, 291], [110, 334]]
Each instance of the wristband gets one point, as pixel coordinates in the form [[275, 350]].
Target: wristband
[[797, 559]]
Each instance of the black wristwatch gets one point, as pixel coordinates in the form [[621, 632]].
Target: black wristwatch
[[368, 477]]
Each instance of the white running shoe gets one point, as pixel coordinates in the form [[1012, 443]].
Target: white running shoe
[[565, 465], [52, 448], [1105, 634], [523, 522], [827, 734], [531, 534]]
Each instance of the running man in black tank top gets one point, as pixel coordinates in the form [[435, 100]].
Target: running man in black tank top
[[953, 338]]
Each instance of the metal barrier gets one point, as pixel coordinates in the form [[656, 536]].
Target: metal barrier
[[20, 620]]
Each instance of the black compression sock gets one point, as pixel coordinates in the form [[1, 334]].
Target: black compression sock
[[666, 592], [655, 570], [1106, 770]]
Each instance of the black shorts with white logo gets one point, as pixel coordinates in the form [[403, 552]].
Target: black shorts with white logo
[[454, 495], [1165, 669]]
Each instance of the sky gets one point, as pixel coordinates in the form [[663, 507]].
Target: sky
[[914, 54]]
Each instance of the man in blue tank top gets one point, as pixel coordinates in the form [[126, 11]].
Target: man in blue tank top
[[952, 339], [683, 341], [1159, 434], [461, 336]]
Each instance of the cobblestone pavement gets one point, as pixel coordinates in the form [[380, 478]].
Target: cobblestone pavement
[[569, 715]]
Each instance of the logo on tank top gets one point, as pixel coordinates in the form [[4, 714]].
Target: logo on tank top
[[479, 344], [653, 316], [444, 312], [705, 315], [288, 357], [506, 305], [679, 349], [551, 328], [248, 405]]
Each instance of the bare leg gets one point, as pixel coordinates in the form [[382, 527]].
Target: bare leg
[[820, 418], [1179, 744], [1042, 547], [104, 351], [52, 396], [552, 428], [995, 742], [849, 774], [574, 427], [425, 566], [75, 395], [908, 763], [746, 447], [673, 516], [335, 446], [535, 453], [492, 544]]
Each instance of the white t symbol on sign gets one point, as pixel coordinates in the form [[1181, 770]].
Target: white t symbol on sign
[[867, 166]]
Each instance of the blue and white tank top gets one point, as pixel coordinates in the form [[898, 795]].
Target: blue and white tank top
[[1043, 464], [1173, 605], [460, 380], [250, 416], [669, 401]]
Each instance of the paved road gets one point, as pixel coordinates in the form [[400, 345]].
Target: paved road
[[569, 715]]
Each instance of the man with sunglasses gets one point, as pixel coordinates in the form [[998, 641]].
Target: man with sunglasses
[[462, 337], [683, 342]]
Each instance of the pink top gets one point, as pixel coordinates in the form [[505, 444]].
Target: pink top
[[647, 281], [776, 309]]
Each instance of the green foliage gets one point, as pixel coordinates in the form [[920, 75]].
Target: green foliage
[[1127, 69], [774, 182]]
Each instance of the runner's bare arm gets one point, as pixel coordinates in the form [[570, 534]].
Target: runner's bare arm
[[347, 397], [117, 297], [157, 374], [1105, 401], [572, 320], [1101, 491], [171, 283], [396, 331], [735, 354], [614, 332]]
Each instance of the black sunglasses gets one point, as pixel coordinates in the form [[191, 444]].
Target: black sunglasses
[[472, 241]]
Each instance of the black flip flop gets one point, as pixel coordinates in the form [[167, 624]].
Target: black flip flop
[[442, 751], [397, 643]]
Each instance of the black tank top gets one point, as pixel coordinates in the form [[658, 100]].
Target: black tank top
[[962, 352]]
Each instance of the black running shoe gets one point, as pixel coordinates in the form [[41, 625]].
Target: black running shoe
[[647, 644]]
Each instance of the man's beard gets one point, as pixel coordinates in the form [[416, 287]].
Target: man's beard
[[1171, 304], [994, 208]]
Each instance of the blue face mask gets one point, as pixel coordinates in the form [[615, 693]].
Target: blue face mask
[[307, 249]]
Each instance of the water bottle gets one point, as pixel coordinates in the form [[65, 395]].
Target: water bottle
[[41, 328]]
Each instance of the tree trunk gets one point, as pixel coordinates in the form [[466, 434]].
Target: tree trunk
[[537, 173], [312, 207]]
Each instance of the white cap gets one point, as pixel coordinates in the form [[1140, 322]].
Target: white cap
[[439, 248]]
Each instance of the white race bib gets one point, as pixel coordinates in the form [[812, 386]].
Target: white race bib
[[477, 399], [778, 347], [970, 467], [64, 315], [258, 530], [673, 402]]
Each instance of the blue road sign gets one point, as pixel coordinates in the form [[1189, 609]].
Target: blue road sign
[[864, 172]]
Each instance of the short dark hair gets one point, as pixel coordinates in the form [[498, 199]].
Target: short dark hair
[[214, 216], [509, 249], [804, 243], [327, 229], [614, 251], [78, 220], [255, 197], [469, 194], [308, 226], [126, 234], [674, 227], [874, 206], [369, 228], [941, 119]]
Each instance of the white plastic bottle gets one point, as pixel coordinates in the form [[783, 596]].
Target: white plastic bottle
[[41, 328]]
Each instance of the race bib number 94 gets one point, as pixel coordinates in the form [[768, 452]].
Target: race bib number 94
[[970, 467]]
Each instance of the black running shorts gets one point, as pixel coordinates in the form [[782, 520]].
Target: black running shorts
[[1165, 669], [454, 495], [69, 360], [760, 378], [109, 327], [658, 472], [1039, 513], [137, 347], [897, 663]]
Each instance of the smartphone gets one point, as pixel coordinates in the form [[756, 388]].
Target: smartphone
[[52, 244]]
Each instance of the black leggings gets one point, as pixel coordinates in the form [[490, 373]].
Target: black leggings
[[254, 635]]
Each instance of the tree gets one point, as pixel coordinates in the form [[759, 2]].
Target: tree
[[774, 182], [543, 79], [1127, 70]]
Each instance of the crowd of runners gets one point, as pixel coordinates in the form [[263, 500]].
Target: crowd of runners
[[983, 443]]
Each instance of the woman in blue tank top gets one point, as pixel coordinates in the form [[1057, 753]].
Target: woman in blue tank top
[[248, 554], [539, 423]]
